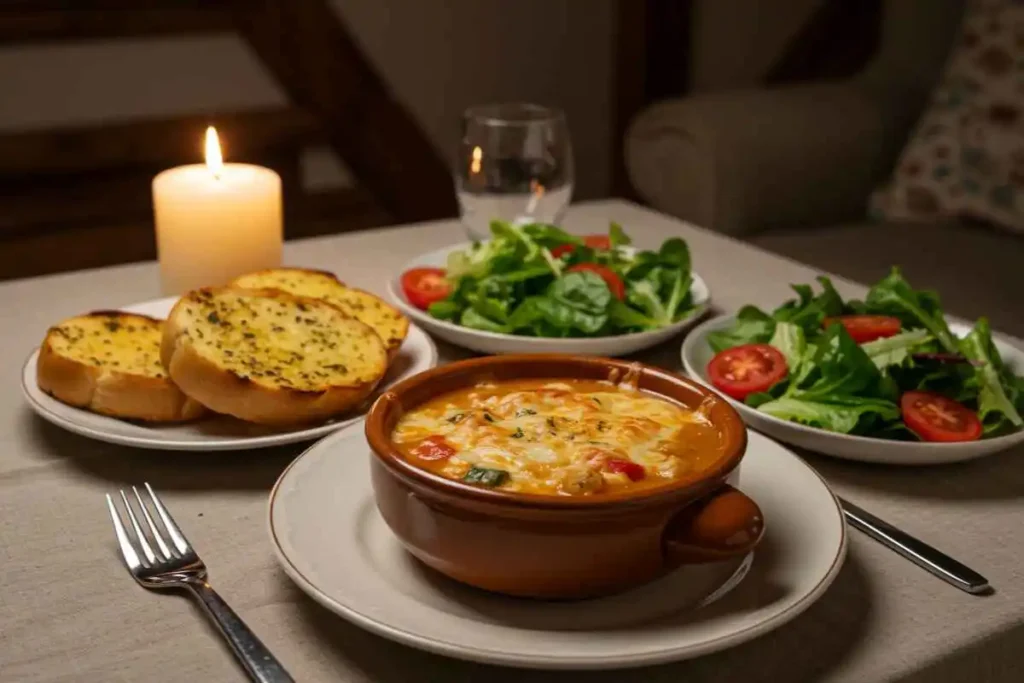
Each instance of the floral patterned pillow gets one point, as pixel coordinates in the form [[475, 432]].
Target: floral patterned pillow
[[966, 156]]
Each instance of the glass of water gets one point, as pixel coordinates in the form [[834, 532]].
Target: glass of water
[[514, 164]]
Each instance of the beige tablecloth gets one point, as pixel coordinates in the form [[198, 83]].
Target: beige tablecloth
[[70, 612]]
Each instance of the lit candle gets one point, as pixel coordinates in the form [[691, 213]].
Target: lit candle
[[215, 221]]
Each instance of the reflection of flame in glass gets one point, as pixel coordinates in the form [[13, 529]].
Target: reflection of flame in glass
[[214, 160], [537, 190], [478, 154]]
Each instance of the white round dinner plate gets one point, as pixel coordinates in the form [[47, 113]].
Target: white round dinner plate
[[331, 540], [498, 343], [217, 433], [697, 353]]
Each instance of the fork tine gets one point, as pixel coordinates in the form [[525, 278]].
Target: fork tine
[[143, 543], [177, 537], [164, 550], [131, 558]]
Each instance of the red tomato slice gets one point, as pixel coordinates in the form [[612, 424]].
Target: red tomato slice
[[433, 448], [865, 328], [613, 281], [424, 286], [933, 417], [747, 369], [562, 249], [598, 242], [631, 469]]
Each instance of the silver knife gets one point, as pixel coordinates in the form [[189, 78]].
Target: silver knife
[[918, 552]]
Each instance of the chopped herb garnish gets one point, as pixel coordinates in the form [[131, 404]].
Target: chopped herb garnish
[[602, 426], [485, 476], [596, 400], [456, 418], [551, 423], [525, 411], [213, 318], [112, 326], [518, 433], [488, 417]]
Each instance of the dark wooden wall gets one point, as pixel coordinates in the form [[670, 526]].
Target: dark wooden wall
[[80, 197]]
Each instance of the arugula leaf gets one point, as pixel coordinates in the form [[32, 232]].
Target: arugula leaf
[[808, 311], [790, 341], [752, 326], [844, 414], [840, 368], [549, 236], [445, 310], [617, 236], [896, 349], [894, 296], [996, 383], [471, 318]]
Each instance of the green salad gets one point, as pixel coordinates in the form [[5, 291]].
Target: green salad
[[886, 367], [538, 280]]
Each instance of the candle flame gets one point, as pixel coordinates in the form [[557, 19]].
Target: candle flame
[[478, 154], [214, 160]]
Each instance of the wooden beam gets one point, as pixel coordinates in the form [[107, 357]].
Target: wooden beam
[[836, 41], [86, 238], [652, 62], [32, 21], [309, 50], [156, 143]]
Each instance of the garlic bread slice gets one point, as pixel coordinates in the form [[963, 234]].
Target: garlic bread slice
[[270, 357], [109, 362], [387, 321]]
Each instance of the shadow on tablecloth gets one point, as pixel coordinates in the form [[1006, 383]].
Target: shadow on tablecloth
[[807, 649], [996, 477], [165, 470]]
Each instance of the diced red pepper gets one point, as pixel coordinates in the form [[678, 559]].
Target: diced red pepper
[[433, 448], [632, 470]]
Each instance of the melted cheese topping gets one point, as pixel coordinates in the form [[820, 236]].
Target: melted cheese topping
[[567, 437], [118, 341]]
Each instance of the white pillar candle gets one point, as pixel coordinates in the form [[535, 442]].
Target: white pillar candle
[[215, 221]]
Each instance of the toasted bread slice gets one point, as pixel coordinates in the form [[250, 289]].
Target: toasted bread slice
[[270, 357], [109, 362], [386, 321]]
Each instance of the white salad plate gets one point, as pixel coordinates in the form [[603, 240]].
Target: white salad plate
[[498, 343], [218, 433], [331, 540], [697, 353]]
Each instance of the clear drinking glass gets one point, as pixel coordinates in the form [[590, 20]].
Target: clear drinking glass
[[514, 164]]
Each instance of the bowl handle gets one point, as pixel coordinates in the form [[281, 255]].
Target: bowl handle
[[723, 525]]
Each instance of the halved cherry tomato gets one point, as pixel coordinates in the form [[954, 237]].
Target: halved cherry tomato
[[747, 369], [865, 328], [433, 448], [613, 281], [933, 417], [631, 469], [597, 242], [424, 286]]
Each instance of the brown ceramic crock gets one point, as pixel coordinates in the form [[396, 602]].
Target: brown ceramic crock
[[559, 546]]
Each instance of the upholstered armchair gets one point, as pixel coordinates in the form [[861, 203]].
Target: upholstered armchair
[[792, 168]]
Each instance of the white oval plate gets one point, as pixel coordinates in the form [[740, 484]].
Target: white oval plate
[[219, 433], [330, 539], [497, 343], [697, 353]]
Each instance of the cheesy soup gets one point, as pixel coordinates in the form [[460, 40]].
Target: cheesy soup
[[564, 437]]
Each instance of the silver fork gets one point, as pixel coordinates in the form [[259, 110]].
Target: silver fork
[[176, 565]]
